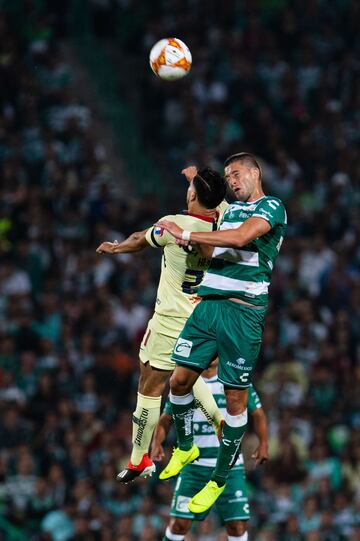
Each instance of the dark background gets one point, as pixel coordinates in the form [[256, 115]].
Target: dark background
[[91, 145]]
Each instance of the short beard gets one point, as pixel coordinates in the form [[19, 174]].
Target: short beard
[[241, 197]]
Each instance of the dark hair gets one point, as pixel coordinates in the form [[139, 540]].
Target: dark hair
[[244, 157], [210, 187]]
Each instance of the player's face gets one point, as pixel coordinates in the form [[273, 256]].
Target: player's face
[[241, 179]]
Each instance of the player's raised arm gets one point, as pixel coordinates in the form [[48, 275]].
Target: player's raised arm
[[134, 243], [251, 229]]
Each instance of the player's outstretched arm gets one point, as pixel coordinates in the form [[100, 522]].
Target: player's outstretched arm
[[161, 431], [261, 454], [251, 229], [134, 243]]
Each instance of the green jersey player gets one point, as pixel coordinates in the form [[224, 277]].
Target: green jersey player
[[233, 505], [229, 320]]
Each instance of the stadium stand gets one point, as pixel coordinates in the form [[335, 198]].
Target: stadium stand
[[278, 78]]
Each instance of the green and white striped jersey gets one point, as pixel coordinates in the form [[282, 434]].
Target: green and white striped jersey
[[204, 434], [245, 273]]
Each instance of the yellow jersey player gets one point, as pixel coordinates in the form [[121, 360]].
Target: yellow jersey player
[[182, 271]]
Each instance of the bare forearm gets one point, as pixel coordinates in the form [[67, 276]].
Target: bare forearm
[[134, 243], [261, 428], [228, 239], [248, 231], [162, 428]]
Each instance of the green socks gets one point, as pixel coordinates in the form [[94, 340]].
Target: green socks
[[183, 412], [233, 431]]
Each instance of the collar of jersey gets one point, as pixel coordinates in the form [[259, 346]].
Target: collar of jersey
[[249, 202], [205, 218]]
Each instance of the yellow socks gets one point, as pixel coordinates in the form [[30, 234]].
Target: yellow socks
[[205, 401], [145, 418]]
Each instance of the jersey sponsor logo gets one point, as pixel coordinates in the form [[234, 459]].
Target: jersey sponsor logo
[[183, 347], [264, 211], [158, 231]]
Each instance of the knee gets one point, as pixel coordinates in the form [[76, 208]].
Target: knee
[[179, 526], [236, 528], [180, 383], [151, 382], [151, 388], [236, 400]]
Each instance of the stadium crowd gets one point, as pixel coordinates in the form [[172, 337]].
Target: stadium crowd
[[280, 80]]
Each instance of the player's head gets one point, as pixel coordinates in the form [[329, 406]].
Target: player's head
[[208, 187], [243, 175]]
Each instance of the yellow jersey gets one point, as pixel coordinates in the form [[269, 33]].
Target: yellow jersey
[[182, 270]]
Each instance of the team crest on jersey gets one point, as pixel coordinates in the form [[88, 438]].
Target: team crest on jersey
[[158, 231]]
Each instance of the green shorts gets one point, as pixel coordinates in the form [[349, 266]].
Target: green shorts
[[231, 505], [225, 328]]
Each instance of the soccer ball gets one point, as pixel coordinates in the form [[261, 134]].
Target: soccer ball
[[170, 59]]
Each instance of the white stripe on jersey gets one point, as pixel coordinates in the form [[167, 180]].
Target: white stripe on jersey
[[204, 441], [230, 225], [217, 281], [240, 257]]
